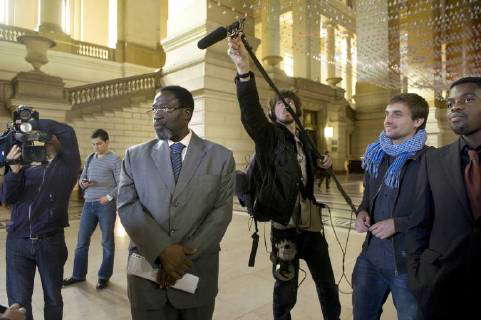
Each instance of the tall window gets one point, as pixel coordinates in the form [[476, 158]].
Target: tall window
[[4, 11], [66, 16], [323, 34], [288, 64], [340, 57], [112, 23], [285, 23]]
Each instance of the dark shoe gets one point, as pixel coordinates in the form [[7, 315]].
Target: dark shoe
[[102, 284], [71, 280]]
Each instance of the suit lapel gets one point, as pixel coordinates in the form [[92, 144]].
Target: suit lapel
[[161, 155], [451, 161], [195, 154]]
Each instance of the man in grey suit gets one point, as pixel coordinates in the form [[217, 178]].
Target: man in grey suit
[[175, 202]]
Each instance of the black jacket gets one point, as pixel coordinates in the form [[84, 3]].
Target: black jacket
[[276, 150], [402, 212], [444, 247], [39, 195]]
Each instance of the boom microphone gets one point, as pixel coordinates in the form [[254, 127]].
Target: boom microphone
[[219, 34]]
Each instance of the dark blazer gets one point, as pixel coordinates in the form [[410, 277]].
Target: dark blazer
[[402, 214], [444, 248]]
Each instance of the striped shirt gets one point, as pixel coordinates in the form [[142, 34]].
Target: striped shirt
[[104, 173]]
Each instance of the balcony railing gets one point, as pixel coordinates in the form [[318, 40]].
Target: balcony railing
[[11, 33], [123, 87], [94, 50]]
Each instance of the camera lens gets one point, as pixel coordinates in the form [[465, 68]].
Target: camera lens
[[25, 127], [25, 114]]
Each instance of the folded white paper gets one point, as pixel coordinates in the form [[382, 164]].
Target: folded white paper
[[138, 266]]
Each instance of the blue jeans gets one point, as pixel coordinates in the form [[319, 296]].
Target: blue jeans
[[371, 287], [313, 248], [94, 213], [23, 257]]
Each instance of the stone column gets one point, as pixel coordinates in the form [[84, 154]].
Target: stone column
[[314, 37], [76, 23], [306, 41], [50, 16], [139, 43], [348, 70], [300, 43], [23, 13], [331, 49], [164, 17], [271, 33]]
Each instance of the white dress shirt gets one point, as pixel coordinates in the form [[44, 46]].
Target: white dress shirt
[[185, 142]]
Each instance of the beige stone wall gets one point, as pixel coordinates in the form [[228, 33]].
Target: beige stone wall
[[25, 14], [126, 127], [95, 21], [141, 25]]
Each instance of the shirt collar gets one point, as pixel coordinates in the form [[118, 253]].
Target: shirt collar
[[101, 156], [185, 141], [463, 146]]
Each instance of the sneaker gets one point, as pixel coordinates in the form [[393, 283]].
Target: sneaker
[[71, 280], [102, 284]]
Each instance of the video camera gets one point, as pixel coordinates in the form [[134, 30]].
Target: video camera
[[24, 132]]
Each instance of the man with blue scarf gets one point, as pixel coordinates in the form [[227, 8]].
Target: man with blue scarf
[[391, 164]]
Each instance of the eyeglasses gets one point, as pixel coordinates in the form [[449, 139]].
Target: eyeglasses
[[466, 100], [158, 109]]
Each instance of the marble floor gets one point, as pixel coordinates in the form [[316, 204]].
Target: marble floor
[[245, 293]]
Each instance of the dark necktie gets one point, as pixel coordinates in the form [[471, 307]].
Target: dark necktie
[[176, 158], [472, 178]]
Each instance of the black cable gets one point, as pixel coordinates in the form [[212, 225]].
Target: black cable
[[343, 249], [304, 278], [249, 223]]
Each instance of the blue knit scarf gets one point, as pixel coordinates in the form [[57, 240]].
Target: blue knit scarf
[[401, 152]]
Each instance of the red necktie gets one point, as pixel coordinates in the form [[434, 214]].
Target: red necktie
[[472, 178]]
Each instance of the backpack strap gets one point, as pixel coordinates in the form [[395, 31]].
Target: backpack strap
[[255, 244], [87, 164]]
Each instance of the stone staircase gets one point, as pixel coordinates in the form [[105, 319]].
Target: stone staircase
[[110, 95], [118, 106]]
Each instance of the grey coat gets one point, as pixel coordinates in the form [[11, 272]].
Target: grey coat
[[196, 211]]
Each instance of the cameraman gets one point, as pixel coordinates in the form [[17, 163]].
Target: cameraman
[[38, 196], [280, 144]]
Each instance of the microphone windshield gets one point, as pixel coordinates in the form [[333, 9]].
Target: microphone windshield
[[212, 38]]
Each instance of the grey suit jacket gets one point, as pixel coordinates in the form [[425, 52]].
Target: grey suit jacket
[[196, 211]]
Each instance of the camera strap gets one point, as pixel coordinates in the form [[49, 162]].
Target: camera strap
[[255, 244]]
